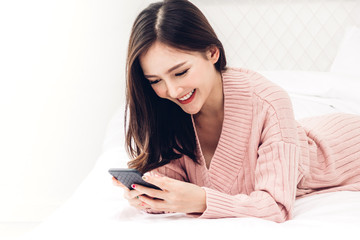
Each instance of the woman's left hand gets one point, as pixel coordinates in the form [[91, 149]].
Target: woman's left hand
[[176, 196]]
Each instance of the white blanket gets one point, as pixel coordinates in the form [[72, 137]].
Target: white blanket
[[97, 210]]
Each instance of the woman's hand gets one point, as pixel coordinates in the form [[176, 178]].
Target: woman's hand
[[132, 196], [176, 196]]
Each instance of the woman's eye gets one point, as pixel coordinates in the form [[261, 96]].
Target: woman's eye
[[182, 73], [154, 82]]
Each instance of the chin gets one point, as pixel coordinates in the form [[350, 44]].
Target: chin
[[191, 111], [190, 108]]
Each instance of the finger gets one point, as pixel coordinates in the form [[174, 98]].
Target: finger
[[160, 181], [148, 191], [131, 194], [143, 206], [136, 202], [155, 204]]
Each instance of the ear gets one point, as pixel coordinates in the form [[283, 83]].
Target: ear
[[213, 54]]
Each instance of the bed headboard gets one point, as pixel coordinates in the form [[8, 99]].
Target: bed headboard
[[280, 34]]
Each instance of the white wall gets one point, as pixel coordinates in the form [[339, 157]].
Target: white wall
[[61, 79]]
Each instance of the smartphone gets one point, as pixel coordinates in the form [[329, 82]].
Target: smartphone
[[130, 176]]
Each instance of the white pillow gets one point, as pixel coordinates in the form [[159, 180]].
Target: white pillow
[[301, 82], [317, 84], [347, 60]]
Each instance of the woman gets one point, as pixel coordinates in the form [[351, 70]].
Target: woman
[[222, 142]]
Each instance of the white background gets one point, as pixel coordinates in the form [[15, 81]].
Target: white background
[[61, 79]]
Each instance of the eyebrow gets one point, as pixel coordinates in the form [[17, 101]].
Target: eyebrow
[[168, 71]]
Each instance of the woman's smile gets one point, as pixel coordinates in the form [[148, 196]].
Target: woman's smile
[[187, 98]]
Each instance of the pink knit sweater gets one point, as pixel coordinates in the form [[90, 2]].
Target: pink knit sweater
[[265, 158]]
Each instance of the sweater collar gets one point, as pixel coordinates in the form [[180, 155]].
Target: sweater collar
[[232, 146]]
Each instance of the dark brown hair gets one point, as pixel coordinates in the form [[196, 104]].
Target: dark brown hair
[[157, 130]]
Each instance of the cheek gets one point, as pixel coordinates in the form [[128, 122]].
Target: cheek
[[160, 91], [195, 79]]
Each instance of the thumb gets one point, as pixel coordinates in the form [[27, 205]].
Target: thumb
[[160, 181]]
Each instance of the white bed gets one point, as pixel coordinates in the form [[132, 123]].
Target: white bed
[[97, 210]]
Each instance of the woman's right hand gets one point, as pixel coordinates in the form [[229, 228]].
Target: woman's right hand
[[132, 196]]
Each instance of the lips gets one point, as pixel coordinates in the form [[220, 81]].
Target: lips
[[187, 98]]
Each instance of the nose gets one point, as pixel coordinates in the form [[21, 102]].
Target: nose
[[173, 90]]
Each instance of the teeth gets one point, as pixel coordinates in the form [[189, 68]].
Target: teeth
[[187, 96]]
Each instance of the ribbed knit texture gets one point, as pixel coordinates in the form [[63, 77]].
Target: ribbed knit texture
[[265, 158]]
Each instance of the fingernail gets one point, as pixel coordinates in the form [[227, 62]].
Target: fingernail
[[144, 177], [133, 186]]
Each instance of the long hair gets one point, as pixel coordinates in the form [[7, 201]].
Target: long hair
[[157, 130]]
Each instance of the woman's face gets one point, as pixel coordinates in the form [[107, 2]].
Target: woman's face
[[189, 79]]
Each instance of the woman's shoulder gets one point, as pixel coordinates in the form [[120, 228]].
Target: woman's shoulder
[[233, 72], [258, 86], [258, 83], [244, 75]]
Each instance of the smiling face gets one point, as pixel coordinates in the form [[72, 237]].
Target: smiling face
[[189, 79]]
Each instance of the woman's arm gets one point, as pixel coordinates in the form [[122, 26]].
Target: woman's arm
[[275, 188], [272, 199]]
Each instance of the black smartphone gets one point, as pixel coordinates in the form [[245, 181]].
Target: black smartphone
[[130, 176]]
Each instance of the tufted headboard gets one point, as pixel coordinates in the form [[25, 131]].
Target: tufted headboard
[[280, 34]]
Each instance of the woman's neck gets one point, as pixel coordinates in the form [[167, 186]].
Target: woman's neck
[[213, 108]]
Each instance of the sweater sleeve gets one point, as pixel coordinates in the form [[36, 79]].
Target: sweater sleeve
[[274, 194], [276, 166], [171, 170]]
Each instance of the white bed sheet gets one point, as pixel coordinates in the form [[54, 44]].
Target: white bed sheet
[[98, 211]]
